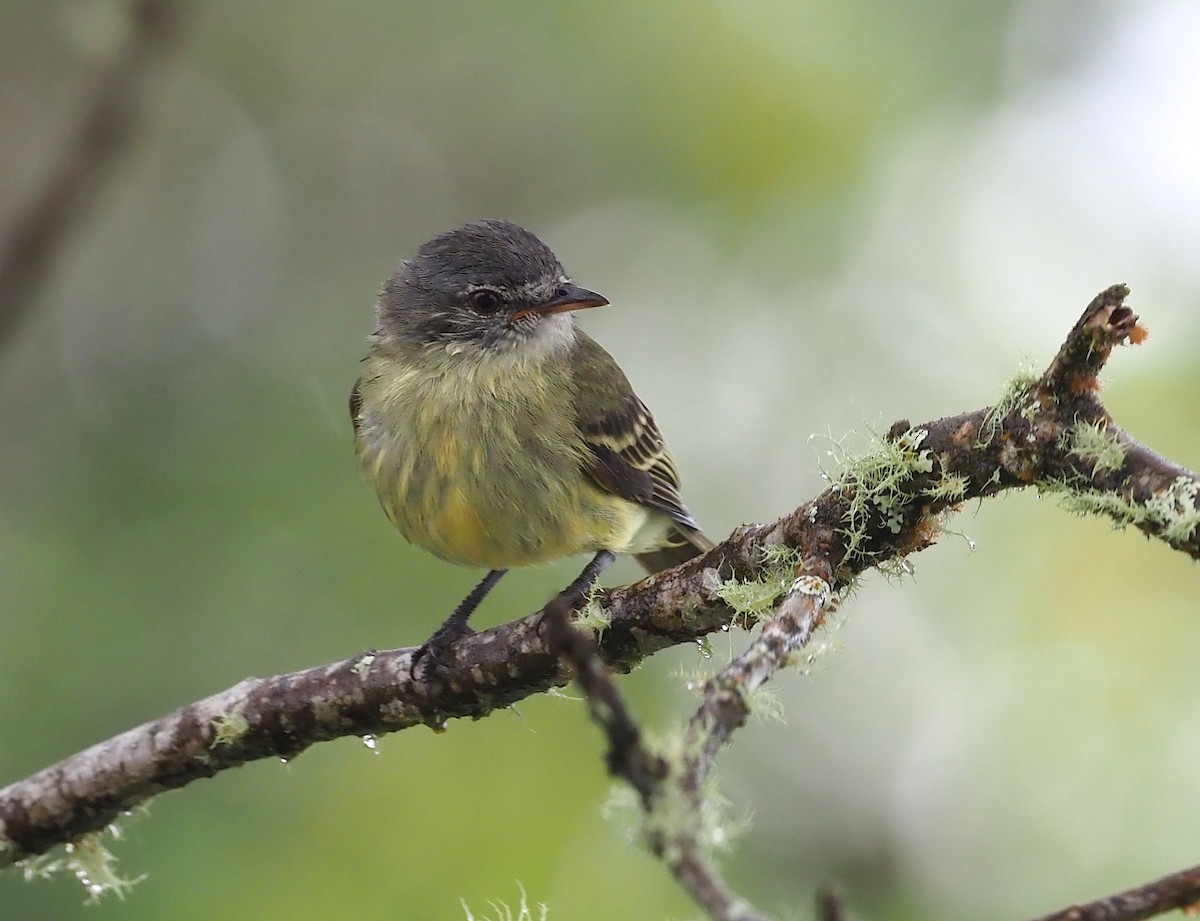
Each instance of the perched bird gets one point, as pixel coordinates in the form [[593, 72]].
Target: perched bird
[[498, 434]]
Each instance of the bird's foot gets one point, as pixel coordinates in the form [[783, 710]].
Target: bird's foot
[[437, 652], [439, 648], [569, 600]]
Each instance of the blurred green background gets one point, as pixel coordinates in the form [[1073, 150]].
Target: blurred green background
[[811, 216]]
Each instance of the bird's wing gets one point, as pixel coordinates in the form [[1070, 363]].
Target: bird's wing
[[628, 456], [356, 401]]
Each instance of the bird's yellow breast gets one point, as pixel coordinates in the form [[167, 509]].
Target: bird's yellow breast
[[481, 463]]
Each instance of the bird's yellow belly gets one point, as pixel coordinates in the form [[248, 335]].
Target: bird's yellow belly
[[460, 532], [498, 521], [490, 483]]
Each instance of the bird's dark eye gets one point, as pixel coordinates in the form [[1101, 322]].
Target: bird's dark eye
[[484, 301], [561, 292]]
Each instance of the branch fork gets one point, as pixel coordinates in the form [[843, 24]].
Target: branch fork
[[1052, 432]]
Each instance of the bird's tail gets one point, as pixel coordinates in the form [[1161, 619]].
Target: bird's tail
[[685, 543]]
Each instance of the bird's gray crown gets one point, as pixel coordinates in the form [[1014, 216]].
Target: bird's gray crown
[[433, 298], [498, 253]]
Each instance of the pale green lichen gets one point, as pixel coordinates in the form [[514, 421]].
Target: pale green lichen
[[363, 665], [766, 705], [896, 569], [623, 808], [1016, 394], [1119, 510], [754, 599], [781, 557], [228, 727], [1091, 441], [950, 487], [692, 680], [880, 481], [680, 814], [1171, 513], [504, 912], [1174, 509], [89, 861], [675, 814], [593, 617]]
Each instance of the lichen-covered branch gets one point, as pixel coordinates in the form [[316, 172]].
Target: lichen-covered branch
[[671, 786], [677, 826], [1033, 426], [672, 828], [1051, 432], [30, 243], [627, 756]]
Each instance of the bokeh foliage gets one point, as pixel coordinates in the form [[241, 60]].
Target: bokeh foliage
[[809, 216]]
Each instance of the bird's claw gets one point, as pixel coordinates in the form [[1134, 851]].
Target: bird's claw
[[437, 652]]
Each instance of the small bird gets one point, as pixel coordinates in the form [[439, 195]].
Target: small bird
[[497, 433]]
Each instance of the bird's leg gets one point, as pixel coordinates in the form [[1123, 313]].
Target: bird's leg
[[583, 583], [455, 626], [456, 623], [568, 599]]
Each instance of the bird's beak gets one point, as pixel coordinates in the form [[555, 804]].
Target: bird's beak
[[571, 297]]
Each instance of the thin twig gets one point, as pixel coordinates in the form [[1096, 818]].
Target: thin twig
[[35, 236], [676, 838], [627, 756], [829, 906], [1178, 890]]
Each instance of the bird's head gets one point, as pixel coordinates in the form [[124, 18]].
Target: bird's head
[[488, 287]]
